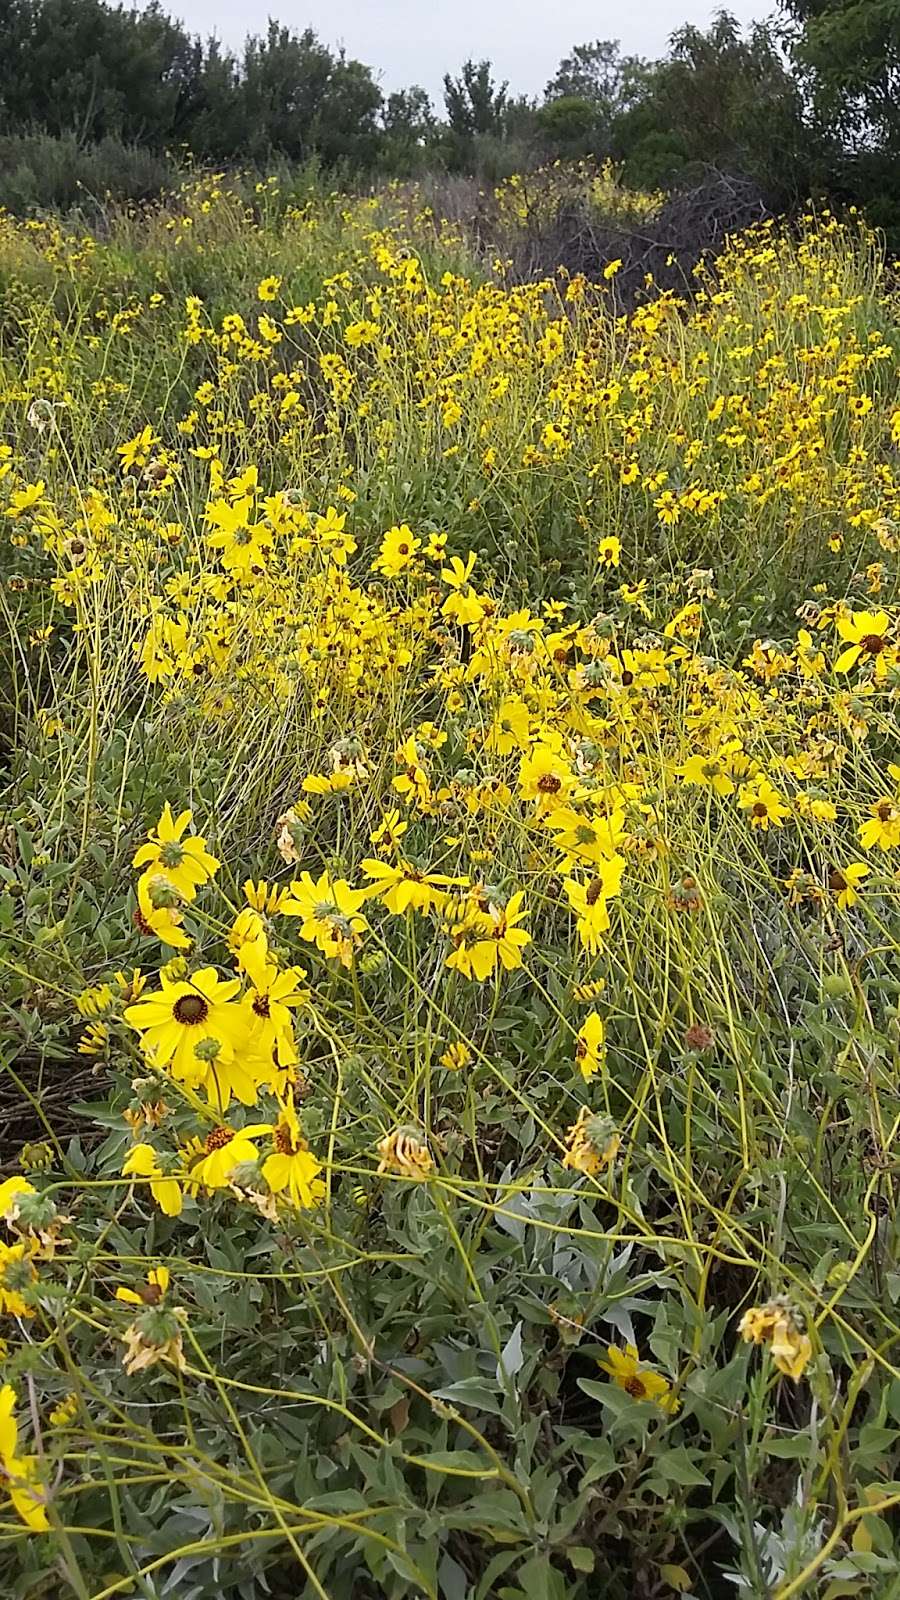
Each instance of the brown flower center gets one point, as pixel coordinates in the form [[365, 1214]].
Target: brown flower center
[[261, 1005], [549, 783], [636, 1387], [190, 1010], [283, 1142], [837, 883], [593, 892], [698, 1037], [873, 643], [885, 811], [760, 809], [218, 1138]]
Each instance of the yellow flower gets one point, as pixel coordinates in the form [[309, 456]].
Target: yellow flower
[[845, 881], [223, 1151], [490, 938], [813, 803], [609, 550], [330, 914], [590, 1046], [545, 776], [708, 772], [263, 897], [244, 546], [184, 862], [399, 548], [865, 633], [65, 1412], [329, 782], [152, 1292], [94, 1039], [20, 1473], [268, 288], [640, 1382], [11, 1191], [389, 832], [136, 452], [183, 1014], [143, 1162], [248, 929], [157, 911], [462, 605], [402, 886], [406, 1152], [292, 1167], [269, 1004], [764, 804], [883, 827], [594, 840], [17, 1277], [589, 901], [782, 1327], [456, 1056], [357, 334], [510, 727], [25, 499], [592, 1143]]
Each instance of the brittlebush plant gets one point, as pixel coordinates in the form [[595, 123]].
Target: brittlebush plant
[[448, 911]]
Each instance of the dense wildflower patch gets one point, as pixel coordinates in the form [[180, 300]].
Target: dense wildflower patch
[[448, 912]]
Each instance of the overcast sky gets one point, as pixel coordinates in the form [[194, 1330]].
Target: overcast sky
[[417, 41]]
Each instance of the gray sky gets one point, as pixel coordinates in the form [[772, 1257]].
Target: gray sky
[[417, 41]]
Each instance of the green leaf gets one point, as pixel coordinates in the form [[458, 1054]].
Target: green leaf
[[471, 1392], [463, 1461], [580, 1557], [678, 1465]]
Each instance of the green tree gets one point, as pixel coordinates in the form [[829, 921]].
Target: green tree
[[84, 67], [474, 103], [408, 128], [722, 98], [345, 127], [407, 115], [601, 76], [301, 100], [569, 125], [219, 123], [850, 52]]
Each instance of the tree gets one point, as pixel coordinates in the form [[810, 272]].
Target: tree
[[283, 81], [85, 67], [569, 125], [219, 124], [301, 100], [725, 99], [474, 103], [407, 115], [601, 75], [408, 129], [345, 127], [850, 52]]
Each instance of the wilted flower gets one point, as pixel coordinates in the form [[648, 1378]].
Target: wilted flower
[[781, 1326]]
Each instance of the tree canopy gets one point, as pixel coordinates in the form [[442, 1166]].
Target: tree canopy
[[807, 104]]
